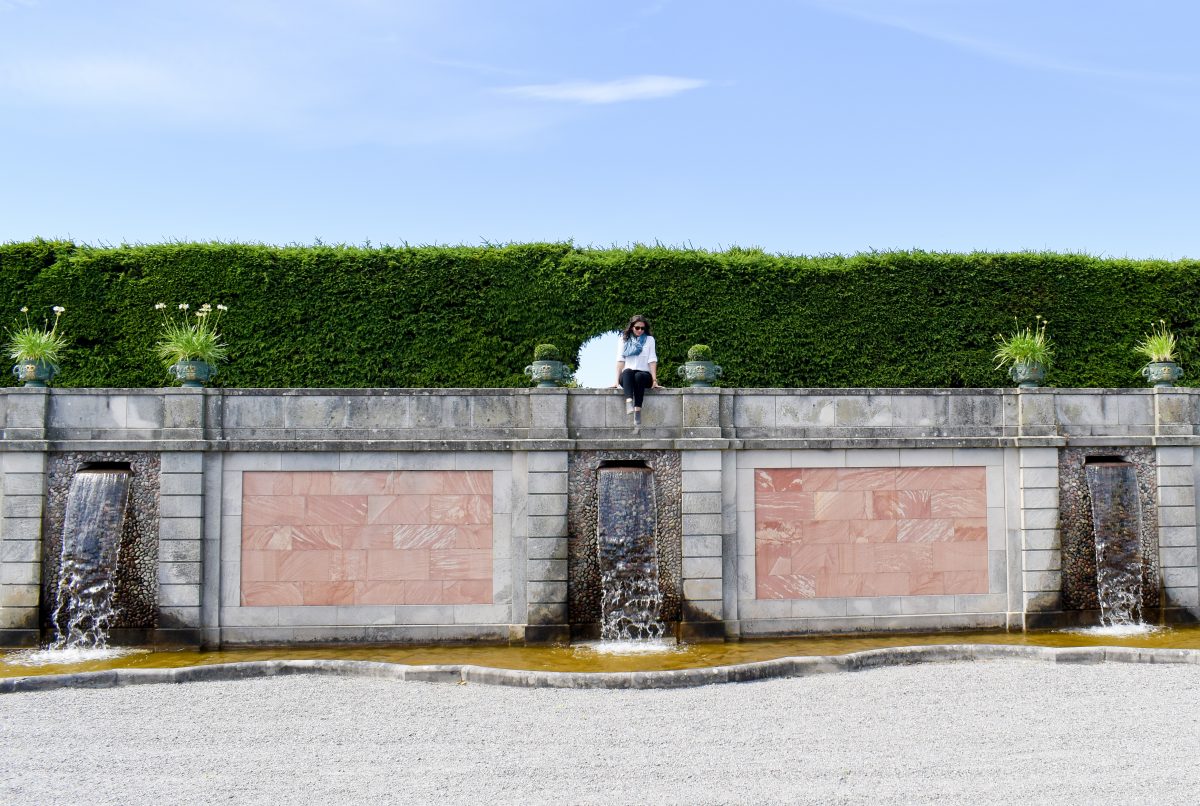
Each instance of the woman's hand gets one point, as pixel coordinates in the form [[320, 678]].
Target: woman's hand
[[656, 385]]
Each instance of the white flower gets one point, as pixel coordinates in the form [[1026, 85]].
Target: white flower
[[183, 306], [24, 309], [222, 308], [158, 306], [206, 307], [201, 314], [58, 309]]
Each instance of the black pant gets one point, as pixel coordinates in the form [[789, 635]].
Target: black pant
[[635, 382]]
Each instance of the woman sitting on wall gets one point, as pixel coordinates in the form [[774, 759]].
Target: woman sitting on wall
[[637, 366]]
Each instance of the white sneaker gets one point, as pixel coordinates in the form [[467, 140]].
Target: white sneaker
[[628, 405], [637, 429]]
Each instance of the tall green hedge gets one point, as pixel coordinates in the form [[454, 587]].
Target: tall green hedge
[[314, 316]]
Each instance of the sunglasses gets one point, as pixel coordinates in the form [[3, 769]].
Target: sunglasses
[[639, 327]]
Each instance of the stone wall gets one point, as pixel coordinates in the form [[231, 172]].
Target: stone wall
[[796, 511]]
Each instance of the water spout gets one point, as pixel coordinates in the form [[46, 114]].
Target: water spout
[[91, 549], [1116, 520], [631, 602]]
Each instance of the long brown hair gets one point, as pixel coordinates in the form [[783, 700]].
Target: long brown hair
[[633, 320]]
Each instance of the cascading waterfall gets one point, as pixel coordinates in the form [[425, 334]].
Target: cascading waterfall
[[630, 599], [1116, 522], [91, 549]]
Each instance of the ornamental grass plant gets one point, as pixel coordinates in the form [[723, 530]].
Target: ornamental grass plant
[[1028, 345], [191, 336], [46, 343], [1159, 345]]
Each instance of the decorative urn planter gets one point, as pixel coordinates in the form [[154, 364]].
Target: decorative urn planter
[[192, 374], [1162, 374], [1027, 375], [34, 373], [548, 374], [699, 374]]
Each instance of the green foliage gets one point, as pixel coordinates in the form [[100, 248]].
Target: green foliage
[[699, 352], [545, 352], [37, 343], [1159, 344], [328, 316], [191, 336], [1027, 345]]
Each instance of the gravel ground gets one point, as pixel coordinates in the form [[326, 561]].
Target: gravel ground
[[966, 733]]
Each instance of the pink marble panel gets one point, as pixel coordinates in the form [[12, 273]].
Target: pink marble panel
[[398, 509], [840, 505], [335, 510], [871, 532], [311, 483], [360, 482], [266, 483], [327, 593], [255, 538], [398, 564], [272, 510], [959, 504], [369, 537], [478, 536], [468, 591], [271, 594], [874, 478], [460, 564], [428, 536], [897, 504]]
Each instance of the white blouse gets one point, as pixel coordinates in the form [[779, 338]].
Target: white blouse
[[642, 360]]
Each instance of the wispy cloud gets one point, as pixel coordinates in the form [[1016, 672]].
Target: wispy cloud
[[637, 88], [998, 51], [9, 5]]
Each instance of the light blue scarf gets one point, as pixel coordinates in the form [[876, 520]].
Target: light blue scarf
[[633, 346]]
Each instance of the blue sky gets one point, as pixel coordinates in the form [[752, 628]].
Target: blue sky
[[802, 126]]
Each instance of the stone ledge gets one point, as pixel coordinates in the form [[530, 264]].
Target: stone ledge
[[682, 678]]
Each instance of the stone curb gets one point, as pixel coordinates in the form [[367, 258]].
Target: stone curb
[[680, 678]]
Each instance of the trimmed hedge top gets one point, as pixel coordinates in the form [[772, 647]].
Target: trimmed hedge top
[[320, 316]]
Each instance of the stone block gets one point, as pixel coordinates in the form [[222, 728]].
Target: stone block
[[754, 411], [501, 411], [1039, 498], [181, 484], [1180, 577], [189, 462], [1041, 581], [24, 484], [1175, 456], [1177, 516], [980, 603], [1177, 496], [997, 571], [919, 410], [811, 458], [873, 606], [310, 461], [178, 573], [1041, 601], [1039, 518], [547, 483], [702, 524], [701, 481], [1031, 477], [700, 460], [180, 529], [546, 548], [354, 615], [547, 525], [424, 614], [546, 505], [179, 595], [702, 568], [546, 591], [1183, 597], [817, 608], [701, 411], [701, 545], [183, 408], [701, 503], [547, 461], [1177, 536], [872, 457], [20, 506], [12, 573], [254, 616], [1038, 457], [547, 613], [1041, 539], [1176, 477], [975, 410], [482, 460], [180, 506], [1177, 556], [926, 605], [181, 616], [482, 614], [546, 570], [26, 595], [19, 551], [1042, 560], [926, 457], [24, 462]]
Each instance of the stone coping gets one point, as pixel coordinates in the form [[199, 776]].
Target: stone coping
[[397, 391], [681, 678]]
